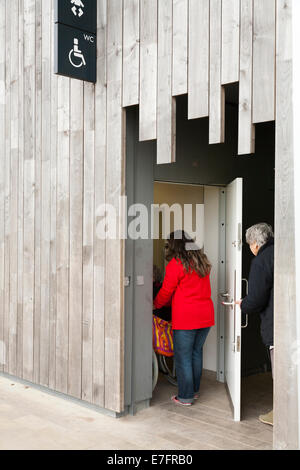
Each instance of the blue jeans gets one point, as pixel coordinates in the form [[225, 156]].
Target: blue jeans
[[188, 352]]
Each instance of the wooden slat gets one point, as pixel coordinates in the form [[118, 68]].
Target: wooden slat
[[62, 234], [76, 209], [14, 169], [29, 181], [131, 52], [2, 179], [7, 187], [246, 137], [53, 215], [230, 41], [216, 91], [264, 61], [286, 273], [148, 69], [114, 186], [166, 104], [88, 242], [37, 192], [198, 68], [180, 47], [20, 193], [45, 193], [100, 189]]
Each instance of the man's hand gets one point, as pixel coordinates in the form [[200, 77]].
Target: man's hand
[[239, 302]]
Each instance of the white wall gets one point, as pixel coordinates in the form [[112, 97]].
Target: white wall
[[193, 194], [172, 193], [211, 248]]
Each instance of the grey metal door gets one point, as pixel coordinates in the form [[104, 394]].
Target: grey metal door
[[138, 273]]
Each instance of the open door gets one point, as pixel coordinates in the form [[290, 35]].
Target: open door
[[234, 209]]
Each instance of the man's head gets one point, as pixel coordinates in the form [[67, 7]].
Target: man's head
[[258, 235]]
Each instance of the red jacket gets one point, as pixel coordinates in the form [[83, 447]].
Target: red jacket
[[192, 307]]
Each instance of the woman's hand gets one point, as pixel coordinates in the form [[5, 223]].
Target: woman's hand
[[239, 302]]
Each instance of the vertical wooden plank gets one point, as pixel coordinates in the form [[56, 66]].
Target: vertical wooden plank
[[264, 61], [88, 243], [148, 69], [47, 25], [246, 137], [63, 234], [180, 47], [166, 104], [2, 180], [37, 190], [29, 191], [230, 41], [14, 169], [283, 27], [216, 91], [75, 278], [198, 61], [53, 215], [7, 186], [20, 192], [286, 274], [131, 52], [99, 198], [114, 188]]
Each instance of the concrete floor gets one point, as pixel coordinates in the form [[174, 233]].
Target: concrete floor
[[32, 419]]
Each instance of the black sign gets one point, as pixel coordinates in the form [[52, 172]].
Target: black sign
[[81, 14], [75, 53]]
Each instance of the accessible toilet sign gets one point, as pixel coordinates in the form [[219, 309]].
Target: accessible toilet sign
[[76, 47]]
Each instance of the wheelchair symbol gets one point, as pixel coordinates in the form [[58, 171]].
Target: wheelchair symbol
[[77, 54]]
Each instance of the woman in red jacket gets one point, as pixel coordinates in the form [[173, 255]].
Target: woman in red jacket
[[187, 284]]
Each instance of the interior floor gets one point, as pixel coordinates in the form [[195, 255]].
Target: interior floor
[[208, 424]]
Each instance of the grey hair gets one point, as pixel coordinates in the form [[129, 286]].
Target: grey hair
[[260, 234]]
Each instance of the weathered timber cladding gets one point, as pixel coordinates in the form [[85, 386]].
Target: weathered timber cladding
[[62, 157]]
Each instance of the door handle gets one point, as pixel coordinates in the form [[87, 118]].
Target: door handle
[[247, 285], [247, 292], [228, 304], [247, 322]]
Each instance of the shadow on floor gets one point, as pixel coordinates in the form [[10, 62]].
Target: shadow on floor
[[257, 396]]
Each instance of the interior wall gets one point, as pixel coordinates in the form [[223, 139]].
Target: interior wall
[[165, 193], [170, 194], [211, 248]]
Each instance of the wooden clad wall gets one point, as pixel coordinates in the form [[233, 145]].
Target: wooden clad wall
[[60, 322], [62, 157], [287, 324]]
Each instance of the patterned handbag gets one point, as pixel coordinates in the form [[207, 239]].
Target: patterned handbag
[[162, 337]]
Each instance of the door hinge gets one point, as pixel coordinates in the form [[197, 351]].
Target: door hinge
[[238, 344], [127, 281]]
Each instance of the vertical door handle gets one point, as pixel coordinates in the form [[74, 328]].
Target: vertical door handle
[[247, 292]]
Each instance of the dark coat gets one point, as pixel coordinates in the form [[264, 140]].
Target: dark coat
[[261, 291]]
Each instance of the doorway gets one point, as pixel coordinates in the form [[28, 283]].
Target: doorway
[[201, 166]]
